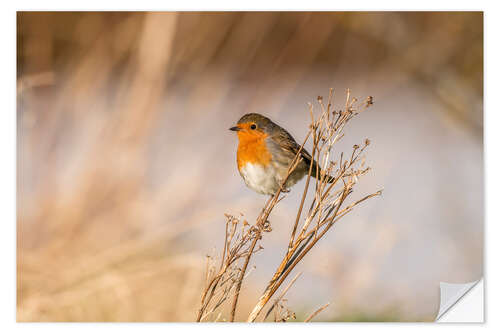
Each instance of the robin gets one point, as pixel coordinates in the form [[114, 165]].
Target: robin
[[265, 152]]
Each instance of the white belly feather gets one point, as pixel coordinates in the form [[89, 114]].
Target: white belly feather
[[261, 179]]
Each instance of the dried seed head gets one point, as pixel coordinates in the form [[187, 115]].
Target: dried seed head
[[355, 147], [320, 98], [266, 227], [367, 142]]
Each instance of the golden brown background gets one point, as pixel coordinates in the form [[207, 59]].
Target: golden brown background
[[125, 165]]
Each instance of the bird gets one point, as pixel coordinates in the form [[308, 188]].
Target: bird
[[265, 152]]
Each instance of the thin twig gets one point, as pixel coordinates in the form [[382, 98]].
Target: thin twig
[[315, 313], [260, 222], [282, 295]]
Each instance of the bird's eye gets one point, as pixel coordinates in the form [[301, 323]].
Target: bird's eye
[[253, 126]]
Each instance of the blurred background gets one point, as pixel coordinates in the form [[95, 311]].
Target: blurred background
[[125, 165]]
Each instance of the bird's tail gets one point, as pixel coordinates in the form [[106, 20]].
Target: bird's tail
[[316, 172]]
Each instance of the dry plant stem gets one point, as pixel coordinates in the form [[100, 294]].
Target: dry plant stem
[[260, 224], [240, 281], [304, 194], [282, 295], [315, 313], [222, 283], [291, 248], [243, 270], [280, 275]]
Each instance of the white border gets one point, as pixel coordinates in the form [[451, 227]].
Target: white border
[[7, 143], [256, 5]]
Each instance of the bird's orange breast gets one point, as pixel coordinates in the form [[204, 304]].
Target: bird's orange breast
[[252, 148]]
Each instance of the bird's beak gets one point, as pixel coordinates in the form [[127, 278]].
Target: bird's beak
[[235, 128]]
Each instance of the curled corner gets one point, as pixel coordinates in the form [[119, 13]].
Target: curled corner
[[451, 293]]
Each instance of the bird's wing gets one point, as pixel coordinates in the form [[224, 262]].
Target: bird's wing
[[287, 144]]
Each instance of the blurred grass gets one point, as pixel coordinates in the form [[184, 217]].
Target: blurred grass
[[117, 131]]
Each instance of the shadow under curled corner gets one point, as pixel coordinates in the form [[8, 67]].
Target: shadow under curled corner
[[461, 302]]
